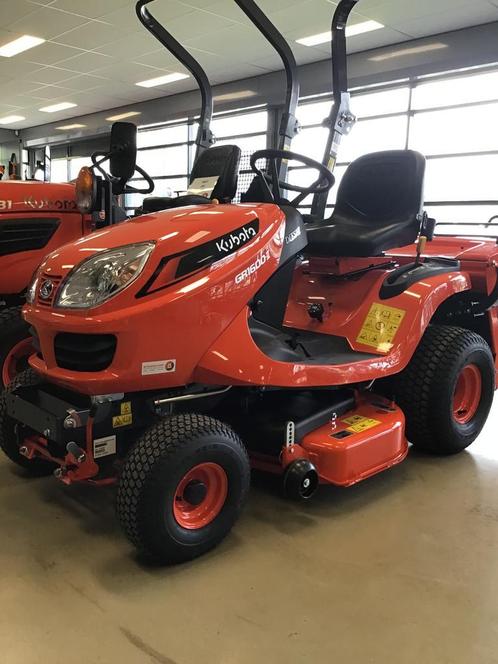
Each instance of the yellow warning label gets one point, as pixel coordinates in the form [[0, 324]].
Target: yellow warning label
[[126, 408], [380, 327], [331, 164], [121, 421], [358, 423]]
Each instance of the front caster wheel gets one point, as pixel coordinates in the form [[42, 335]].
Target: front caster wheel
[[300, 480], [182, 487]]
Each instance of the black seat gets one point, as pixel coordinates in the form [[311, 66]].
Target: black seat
[[222, 161], [378, 207]]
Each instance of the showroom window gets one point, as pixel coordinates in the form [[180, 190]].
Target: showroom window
[[167, 152], [451, 119]]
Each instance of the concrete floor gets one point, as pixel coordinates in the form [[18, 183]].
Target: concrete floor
[[400, 569]]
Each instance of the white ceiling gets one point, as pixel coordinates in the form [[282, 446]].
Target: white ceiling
[[97, 50]]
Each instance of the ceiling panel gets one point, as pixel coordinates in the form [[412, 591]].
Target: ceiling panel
[[96, 50]]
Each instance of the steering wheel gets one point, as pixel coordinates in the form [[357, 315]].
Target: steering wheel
[[321, 185], [99, 158]]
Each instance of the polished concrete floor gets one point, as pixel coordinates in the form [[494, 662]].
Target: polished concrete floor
[[400, 569]]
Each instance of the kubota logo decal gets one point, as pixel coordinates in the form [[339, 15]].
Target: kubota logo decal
[[236, 240], [39, 204], [263, 258]]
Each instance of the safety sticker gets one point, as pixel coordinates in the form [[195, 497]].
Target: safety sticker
[[121, 421], [104, 447], [159, 367], [380, 327], [358, 423], [126, 408]]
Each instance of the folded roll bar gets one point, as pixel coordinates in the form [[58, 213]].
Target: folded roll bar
[[289, 125], [205, 136], [341, 120]]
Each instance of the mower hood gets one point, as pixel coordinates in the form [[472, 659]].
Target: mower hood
[[227, 227]]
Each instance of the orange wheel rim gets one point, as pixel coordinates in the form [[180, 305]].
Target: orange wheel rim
[[468, 393], [200, 496], [11, 366]]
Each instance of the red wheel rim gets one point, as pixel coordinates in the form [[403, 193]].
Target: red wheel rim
[[468, 394], [21, 351], [200, 496]]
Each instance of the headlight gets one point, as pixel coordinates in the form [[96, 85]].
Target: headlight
[[101, 277]]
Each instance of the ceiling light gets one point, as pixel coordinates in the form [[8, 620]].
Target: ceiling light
[[351, 31], [58, 107], [19, 45], [413, 50], [162, 80], [72, 126], [123, 116], [232, 96], [9, 119]]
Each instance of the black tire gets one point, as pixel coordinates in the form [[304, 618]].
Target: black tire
[[13, 330], [153, 471], [425, 389], [8, 437]]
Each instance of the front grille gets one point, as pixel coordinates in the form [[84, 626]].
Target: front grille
[[25, 234], [84, 352], [45, 278]]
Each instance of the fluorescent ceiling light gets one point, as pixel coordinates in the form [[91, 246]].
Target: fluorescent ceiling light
[[232, 96], [162, 80], [72, 126], [19, 45], [9, 119], [58, 107], [122, 116], [351, 31], [414, 50]]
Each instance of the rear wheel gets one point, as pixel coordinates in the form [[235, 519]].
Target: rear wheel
[[9, 439], [447, 390], [182, 487], [15, 344]]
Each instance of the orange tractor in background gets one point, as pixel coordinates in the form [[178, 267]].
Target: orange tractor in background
[[38, 217]]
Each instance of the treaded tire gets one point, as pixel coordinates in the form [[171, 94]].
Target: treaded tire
[[13, 329], [8, 438], [152, 472], [425, 389]]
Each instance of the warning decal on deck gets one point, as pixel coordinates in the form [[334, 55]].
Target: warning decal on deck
[[358, 423], [380, 327], [121, 421]]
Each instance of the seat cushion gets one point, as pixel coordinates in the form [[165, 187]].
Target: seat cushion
[[378, 207]]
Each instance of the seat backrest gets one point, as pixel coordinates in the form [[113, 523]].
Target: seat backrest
[[222, 161], [382, 188]]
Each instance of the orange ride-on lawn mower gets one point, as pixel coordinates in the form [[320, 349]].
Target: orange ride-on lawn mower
[[38, 217], [176, 350]]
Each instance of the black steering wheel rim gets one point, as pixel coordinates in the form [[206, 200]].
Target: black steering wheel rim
[[323, 184]]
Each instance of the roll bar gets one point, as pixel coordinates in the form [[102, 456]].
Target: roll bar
[[205, 136], [289, 125], [341, 120]]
